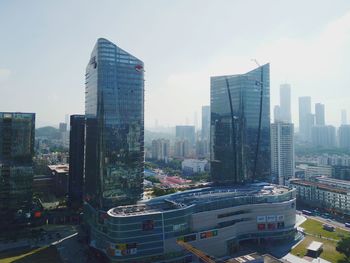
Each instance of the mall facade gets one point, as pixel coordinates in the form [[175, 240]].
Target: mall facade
[[214, 219]]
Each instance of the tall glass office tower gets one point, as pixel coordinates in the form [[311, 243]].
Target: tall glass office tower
[[114, 110], [16, 165], [240, 127]]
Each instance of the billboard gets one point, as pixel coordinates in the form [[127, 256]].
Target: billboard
[[208, 234], [123, 249], [261, 219]]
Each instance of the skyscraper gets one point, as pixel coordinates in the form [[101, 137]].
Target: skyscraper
[[16, 165], [240, 127], [205, 122], [285, 103], [319, 114], [344, 117], [344, 136], [186, 132], [76, 160], [323, 136], [277, 113], [114, 111], [282, 152], [306, 118]]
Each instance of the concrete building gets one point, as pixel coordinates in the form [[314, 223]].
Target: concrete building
[[312, 170], [306, 118], [214, 220], [191, 166], [182, 149], [17, 132], [60, 178], [161, 150], [285, 103], [323, 194], [344, 136], [323, 136], [282, 152], [319, 114]]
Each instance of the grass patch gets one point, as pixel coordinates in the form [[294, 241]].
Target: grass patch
[[329, 252], [314, 227], [30, 255]]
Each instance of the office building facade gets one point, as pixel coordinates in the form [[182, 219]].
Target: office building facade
[[114, 142], [214, 220], [282, 152], [240, 127], [17, 132], [285, 103], [323, 136], [344, 136], [161, 150], [76, 160], [205, 123], [319, 114], [306, 118]]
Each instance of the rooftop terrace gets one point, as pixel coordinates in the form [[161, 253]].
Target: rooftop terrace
[[197, 196]]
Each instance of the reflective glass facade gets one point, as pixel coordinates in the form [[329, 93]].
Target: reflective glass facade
[[16, 167], [240, 127], [114, 110], [76, 160]]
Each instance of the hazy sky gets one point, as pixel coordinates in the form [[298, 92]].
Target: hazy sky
[[45, 47]]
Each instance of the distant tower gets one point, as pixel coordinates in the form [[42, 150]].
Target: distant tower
[[205, 122], [277, 113], [319, 114], [282, 152], [240, 127], [285, 103], [344, 118], [306, 118]]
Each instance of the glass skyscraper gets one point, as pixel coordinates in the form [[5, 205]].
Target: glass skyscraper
[[240, 127], [114, 110], [16, 165], [76, 160]]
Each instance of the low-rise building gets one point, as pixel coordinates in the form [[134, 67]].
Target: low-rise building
[[212, 219], [192, 166], [326, 193], [60, 177]]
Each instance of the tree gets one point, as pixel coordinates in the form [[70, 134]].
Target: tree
[[343, 247]]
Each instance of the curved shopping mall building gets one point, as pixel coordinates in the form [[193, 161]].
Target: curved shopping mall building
[[214, 220]]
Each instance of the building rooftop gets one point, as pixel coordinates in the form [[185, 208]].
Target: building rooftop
[[315, 246], [322, 186], [188, 198], [60, 168]]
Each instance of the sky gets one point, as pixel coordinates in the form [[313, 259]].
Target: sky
[[45, 47]]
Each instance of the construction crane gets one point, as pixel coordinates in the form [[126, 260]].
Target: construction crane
[[200, 254]]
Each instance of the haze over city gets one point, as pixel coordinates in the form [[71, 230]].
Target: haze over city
[[45, 46]]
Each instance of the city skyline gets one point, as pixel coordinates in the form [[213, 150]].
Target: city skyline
[[294, 49]]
